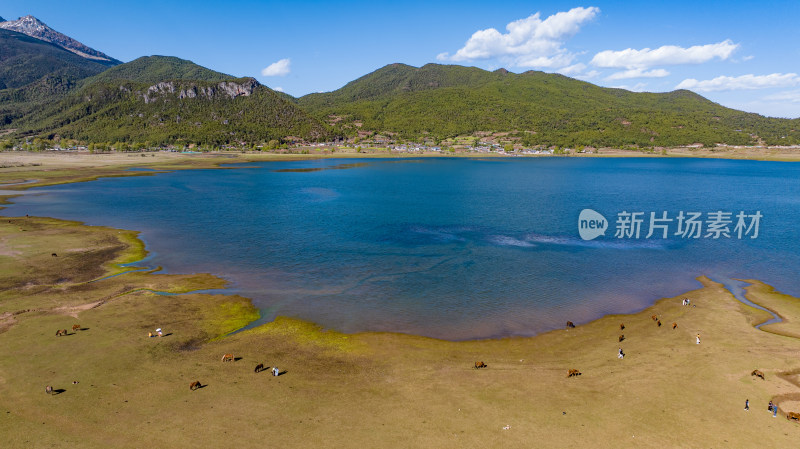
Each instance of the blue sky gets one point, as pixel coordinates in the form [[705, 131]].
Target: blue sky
[[743, 55]]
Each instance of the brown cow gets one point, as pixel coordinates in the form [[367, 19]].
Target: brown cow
[[570, 324], [259, 367], [659, 323], [61, 332], [480, 365], [573, 372], [674, 325], [793, 416], [621, 337], [227, 358], [195, 385], [622, 326], [654, 317], [54, 255], [758, 373], [76, 327]]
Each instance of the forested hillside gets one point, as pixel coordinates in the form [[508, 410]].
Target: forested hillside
[[441, 101], [175, 112], [33, 72]]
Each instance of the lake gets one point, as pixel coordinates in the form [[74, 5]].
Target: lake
[[453, 248]]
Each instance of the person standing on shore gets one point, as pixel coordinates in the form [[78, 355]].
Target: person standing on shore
[[747, 404]]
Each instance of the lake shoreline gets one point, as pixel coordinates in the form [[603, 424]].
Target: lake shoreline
[[126, 165], [23, 170]]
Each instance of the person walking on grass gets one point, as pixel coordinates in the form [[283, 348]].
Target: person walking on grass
[[747, 404], [698, 339]]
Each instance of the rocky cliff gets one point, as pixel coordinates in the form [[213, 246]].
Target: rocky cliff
[[231, 89]]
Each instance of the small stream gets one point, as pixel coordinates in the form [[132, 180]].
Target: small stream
[[736, 287]]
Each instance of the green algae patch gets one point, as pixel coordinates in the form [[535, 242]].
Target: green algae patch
[[309, 334], [185, 283], [135, 251], [231, 315]]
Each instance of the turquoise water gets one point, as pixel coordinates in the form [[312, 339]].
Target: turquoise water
[[448, 248]]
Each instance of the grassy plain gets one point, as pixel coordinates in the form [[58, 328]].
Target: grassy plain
[[358, 390]]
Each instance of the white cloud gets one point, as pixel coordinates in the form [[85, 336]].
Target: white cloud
[[789, 96], [665, 55], [529, 42], [547, 62], [637, 73], [573, 69], [577, 71], [277, 89], [280, 68], [638, 87], [744, 82], [588, 75]]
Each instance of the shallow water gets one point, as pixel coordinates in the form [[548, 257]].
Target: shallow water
[[449, 248]]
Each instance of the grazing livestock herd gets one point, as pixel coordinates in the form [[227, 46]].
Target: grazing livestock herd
[[574, 372], [260, 367], [75, 327], [478, 365], [194, 385]]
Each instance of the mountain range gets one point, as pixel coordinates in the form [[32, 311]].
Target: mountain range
[[53, 86]]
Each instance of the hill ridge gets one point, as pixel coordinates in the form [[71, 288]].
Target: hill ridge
[[31, 26], [437, 101]]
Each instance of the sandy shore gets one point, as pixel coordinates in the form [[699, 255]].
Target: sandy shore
[[19, 166], [358, 390]]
